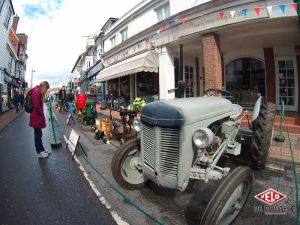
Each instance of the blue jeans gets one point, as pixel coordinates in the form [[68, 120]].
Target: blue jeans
[[38, 140], [71, 110]]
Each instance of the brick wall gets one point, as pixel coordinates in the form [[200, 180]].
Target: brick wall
[[297, 50], [212, 61], [270, 74]]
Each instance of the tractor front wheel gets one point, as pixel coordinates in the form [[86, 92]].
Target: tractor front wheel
[[126, 165], [229, 199]]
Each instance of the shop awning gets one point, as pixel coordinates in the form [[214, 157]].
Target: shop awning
[[147, 62]]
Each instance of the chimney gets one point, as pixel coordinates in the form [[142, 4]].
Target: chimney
[[15, 23]]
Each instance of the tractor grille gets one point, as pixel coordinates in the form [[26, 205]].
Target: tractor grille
[[167, 148], [149, 145], [169, 151]]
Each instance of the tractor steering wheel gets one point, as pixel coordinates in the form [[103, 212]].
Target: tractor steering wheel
[[219, 93]]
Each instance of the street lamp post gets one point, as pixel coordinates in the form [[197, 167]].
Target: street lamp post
[[31, 84]]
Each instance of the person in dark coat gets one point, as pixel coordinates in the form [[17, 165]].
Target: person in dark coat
[[70, 99], [16, 100], [62, 98], [22, 99], [37, 118]]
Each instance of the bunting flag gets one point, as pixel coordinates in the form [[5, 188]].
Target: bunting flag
[[282, 7], [295, 6], [270, 9], [244, 12], [221, 15], [184, 20], [257, 10], [232, 13]]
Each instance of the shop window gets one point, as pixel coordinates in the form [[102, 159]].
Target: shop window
[[189, 81], [125, 88], [147, 84], [245, 78], [113, 87]]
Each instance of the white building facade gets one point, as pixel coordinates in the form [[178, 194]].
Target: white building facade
[[248, 47]]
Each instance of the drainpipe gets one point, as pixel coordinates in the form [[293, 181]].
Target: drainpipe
[[181, 84]]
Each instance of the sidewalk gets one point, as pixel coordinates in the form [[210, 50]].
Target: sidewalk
[[7, 117]]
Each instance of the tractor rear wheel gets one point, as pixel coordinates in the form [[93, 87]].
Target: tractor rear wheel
[[263, 131]]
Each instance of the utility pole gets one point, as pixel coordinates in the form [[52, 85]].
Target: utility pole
[[31, 84]]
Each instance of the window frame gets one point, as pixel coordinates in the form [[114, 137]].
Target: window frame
[[162, 9], [7, 18], [1, 5], [113, 41], [122, 32]]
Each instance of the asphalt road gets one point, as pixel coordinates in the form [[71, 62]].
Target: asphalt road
[[43, 191], [174, 207]]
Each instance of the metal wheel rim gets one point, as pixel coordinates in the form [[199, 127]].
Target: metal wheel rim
[[234, 204], [129, 173]]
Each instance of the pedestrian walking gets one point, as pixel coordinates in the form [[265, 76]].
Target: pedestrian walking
[[37, 117], [62, 98], [22, 100], [16, 100], [70, 99]]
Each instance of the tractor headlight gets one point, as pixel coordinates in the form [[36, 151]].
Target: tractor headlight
[[137, 125], [203, 137]]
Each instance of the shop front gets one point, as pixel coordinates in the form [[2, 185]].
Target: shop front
[[133, 77], [250, 50]]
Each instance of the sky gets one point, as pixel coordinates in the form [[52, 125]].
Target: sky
[[57, 31]]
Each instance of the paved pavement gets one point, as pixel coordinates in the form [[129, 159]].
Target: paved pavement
[[173, 207], [7, 117], [43, 191]]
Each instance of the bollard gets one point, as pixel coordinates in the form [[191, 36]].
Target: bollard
[[55, 144], [280, 137]]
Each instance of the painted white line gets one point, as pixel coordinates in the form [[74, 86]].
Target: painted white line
[[101, 198]]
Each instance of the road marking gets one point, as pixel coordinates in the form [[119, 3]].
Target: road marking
[[101, 198]]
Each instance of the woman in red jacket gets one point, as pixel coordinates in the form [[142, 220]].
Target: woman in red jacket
[[37, 117]]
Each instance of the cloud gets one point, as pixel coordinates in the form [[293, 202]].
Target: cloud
[[56, 30]]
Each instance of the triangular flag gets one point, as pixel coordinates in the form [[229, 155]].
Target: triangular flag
[[221, 15], [294, 6], [244, 12], [270, 9], [282, 7], [257, 10], [232, 13]]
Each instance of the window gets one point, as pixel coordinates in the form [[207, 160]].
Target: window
[[10, 61], [163, 12], [7, 19], [1, 5], [124, 34], [113, 41], [189, 81], [287, 83], [245, 78]]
